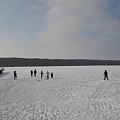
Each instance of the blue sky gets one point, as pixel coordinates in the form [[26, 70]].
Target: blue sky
[[60, 28]]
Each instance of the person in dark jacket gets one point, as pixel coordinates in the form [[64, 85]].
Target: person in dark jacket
[[31, 73], [15, 75], [41, 73], [105, 75], [35, 72], [51, 74]]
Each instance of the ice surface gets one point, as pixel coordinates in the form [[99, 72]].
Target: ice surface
[[75, 93]]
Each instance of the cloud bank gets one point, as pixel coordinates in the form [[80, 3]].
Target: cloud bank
[[60, 28], [81, 29]]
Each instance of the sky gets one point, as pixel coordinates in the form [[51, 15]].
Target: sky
[[70, 29]]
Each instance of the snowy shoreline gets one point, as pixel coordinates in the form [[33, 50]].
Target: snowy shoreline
[[75, 93]]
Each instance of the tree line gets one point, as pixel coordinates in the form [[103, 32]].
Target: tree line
[[21, 62]]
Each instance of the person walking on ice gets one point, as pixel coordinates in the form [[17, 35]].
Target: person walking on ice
[[105, 75], [35, 72], [15, 75], [31, 73], [47, 74], [41, 74], [51, 74]]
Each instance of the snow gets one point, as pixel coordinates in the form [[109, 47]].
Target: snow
[[74, 93]]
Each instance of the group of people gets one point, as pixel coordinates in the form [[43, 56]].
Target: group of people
[[48, 74], [41, 73], [35, 72]]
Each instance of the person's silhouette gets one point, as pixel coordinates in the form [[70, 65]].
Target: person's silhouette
[[105, 75], [47, 74], [31, 73], [51, 74], [35, 72], [41, 73], [15, 75]]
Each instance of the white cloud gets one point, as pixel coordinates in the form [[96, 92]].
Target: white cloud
[[67, 28], [67, 22]]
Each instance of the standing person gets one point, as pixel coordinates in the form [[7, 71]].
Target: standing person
[[35, 72], [47, 74], [31, 73], [15, 75], [51, 74], [105, 75], [41, 73]]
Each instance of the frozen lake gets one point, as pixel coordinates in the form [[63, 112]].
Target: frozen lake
[[75, 93]]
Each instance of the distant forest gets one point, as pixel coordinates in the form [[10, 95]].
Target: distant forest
[[21, 62]]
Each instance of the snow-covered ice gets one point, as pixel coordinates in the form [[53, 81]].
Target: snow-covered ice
[[75, 93]]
